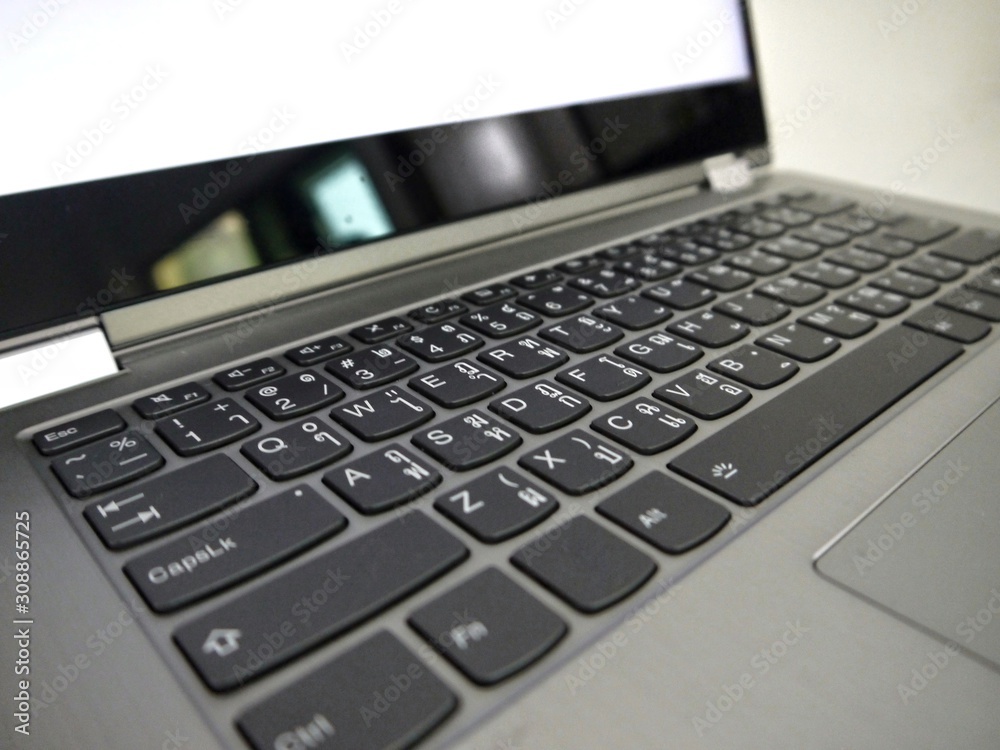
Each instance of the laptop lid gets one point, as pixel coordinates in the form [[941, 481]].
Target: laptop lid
[[164, 153]]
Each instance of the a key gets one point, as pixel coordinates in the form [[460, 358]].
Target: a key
[[206, 427], [577, 462], [524, 357], [296, 449], [660, 352], [383, 479], [667, 514], [497, 505], [585, 564], [703, 394], [458, 384], [106, 463], [440, 342], [540, 407], [604, 377], [467, 441], [501, 628], [755, 367], [294, 395], [370, 368], [645, 426], [383, 414]]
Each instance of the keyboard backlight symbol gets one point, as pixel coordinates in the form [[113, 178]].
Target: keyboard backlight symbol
[[724, 470]]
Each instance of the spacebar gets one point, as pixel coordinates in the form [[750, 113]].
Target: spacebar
[[755, 455]]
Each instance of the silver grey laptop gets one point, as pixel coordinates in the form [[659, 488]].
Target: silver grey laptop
[[463, 426]]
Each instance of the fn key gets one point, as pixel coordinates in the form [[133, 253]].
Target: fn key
[[378, 695]]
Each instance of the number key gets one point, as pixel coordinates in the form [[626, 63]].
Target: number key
[[293, 395]]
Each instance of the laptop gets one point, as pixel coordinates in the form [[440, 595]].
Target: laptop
[[495, 409]]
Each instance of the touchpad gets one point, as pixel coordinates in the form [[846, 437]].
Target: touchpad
[[930, 552]]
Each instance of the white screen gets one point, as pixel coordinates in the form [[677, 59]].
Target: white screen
[[107, 87]]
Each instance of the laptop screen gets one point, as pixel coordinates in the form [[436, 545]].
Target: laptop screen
[[158, 149]]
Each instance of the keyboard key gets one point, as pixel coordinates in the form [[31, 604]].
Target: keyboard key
[[822, 205], [938, 269], [922, 230], [441, 342], [255, 537], [864, 261], [576, 463], [296, 449], [648, 267], [579, 265], [604, 378], [605, 283], [540, 407], [906, 284], [336, 591], [206, 427], [381, 330], [77, 431], [703, 394], [988, 281], [537, 279], [791, 248], [793, 291], [388, 477], [166, 502], [722, 278], [467, 441], [688, 252], [709, 328], [680, 294], [757, 227], [851, 224], [501, 630], [840, 321], [501, 320], [787, 215], [758, 262], [435, 312], [170, 400], [812, 417], [755, 367], [667, 514], [645, 427], [459, 384], [887, 245], [555, 301], [634, 313], [616, 252], [588, 566], [107, 463], [660, 352], [979, 305], [294, 395], [874, 301], [822, 236], [497, 505], [249, 374], [800, 342], [370, 368], [582, 334], [753, 309], [970, 248], [319, 350], [491, 294], [948, 323], [829, 275], [524, 358], [338, 705], [383, 414]]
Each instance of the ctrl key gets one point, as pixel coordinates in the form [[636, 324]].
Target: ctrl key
[[376, 696]]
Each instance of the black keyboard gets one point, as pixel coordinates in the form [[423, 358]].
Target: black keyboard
[[487, 468]]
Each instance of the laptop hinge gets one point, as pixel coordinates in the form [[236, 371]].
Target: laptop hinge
[[729, 173], [78, 355]]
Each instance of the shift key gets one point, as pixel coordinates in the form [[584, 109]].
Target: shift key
[[312, 603]]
